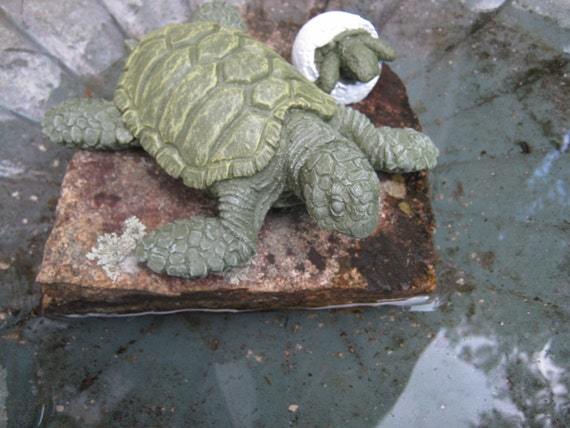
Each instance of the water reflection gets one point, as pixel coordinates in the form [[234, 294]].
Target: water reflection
[[545, 184], [467, 380], [543, 366], [446, 389], [237, 384]]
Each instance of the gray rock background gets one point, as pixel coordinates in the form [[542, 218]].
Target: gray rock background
[[490, 82]]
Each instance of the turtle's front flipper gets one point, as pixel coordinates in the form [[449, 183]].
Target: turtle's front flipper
[[198, 246], [388, 149], [193, 248], [90, 124]]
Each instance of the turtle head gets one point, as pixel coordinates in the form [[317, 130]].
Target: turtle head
[[341, 189]]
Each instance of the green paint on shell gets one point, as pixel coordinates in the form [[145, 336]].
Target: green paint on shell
[[209, 102]]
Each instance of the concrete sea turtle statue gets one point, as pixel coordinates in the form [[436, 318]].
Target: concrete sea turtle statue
[[225, 113]]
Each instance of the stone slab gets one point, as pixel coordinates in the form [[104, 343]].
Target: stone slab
[[297, 265]]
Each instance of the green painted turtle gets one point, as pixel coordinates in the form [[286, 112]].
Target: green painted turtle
[[225, 113]]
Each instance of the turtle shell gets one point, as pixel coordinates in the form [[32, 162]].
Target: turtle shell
[[208, 101]]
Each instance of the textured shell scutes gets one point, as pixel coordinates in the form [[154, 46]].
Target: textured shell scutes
[[208, 102], [300, 93]]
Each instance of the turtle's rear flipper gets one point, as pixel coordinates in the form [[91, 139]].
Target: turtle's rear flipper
[[89, 124]]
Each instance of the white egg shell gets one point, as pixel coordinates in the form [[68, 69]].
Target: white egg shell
[[319, 31]]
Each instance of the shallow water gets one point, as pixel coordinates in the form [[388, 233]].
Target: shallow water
[[490, 81]]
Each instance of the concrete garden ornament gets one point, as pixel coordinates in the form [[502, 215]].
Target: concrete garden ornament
[[225, 113]]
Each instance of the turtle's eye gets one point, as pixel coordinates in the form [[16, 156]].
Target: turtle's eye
[[337, 208]]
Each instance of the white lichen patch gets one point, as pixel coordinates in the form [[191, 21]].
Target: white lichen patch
[[395, 187], [112, 251]]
